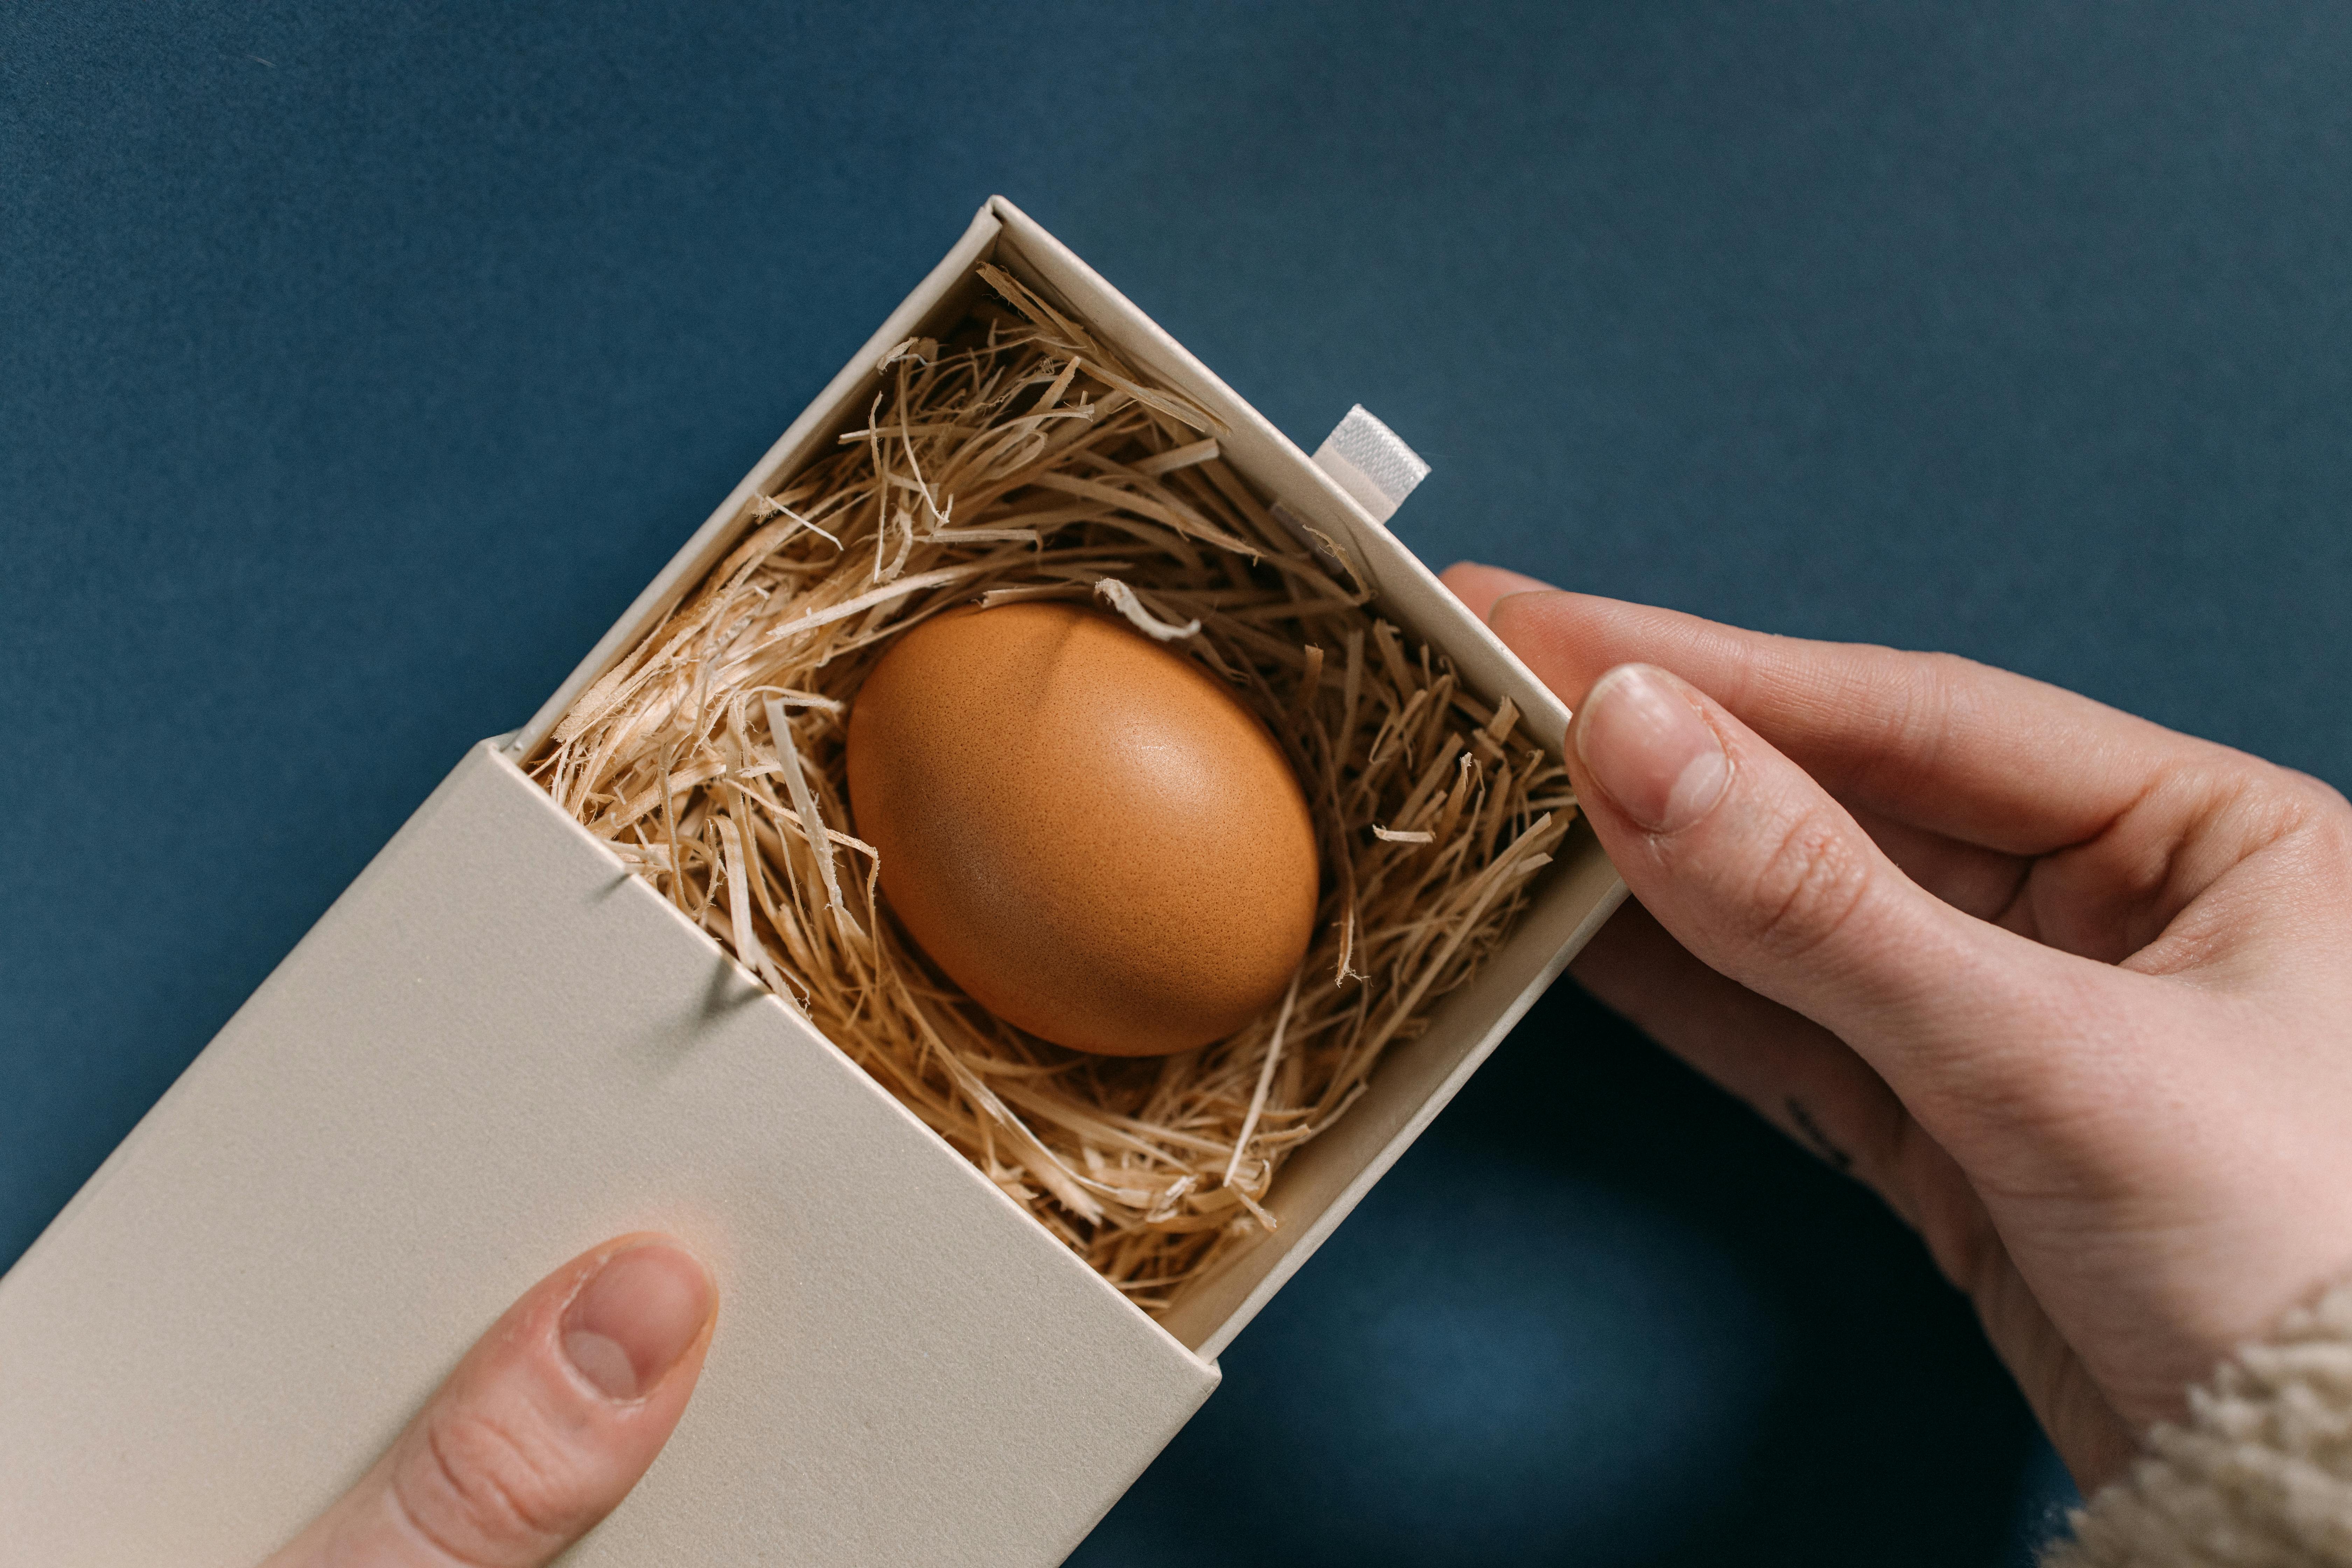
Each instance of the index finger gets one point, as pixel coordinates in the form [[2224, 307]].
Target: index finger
[[1941, 742]]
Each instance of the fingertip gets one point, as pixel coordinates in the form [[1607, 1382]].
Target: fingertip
[[1480, 586], [1566, 639], [636, 1314], [1646, 739]]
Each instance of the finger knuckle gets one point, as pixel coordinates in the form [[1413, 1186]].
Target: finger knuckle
[[1939, 684], [2245, 808], [1914, 697], [480, 1490], [2323, 802], [1808, 887]]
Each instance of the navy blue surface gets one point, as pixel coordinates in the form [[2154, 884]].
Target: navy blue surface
[[357, 364]]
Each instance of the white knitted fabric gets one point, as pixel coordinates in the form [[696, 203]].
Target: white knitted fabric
[[2259, 1476]]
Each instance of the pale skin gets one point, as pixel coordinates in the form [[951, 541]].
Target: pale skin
[[2071, 992], [543, 1428]]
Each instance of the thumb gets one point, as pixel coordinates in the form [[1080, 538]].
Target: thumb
[[541, 1430], [1764, 877]]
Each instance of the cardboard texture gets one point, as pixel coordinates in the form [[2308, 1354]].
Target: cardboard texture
[[496, 1050]]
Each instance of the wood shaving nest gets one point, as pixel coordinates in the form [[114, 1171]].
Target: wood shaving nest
[[1019, 458]]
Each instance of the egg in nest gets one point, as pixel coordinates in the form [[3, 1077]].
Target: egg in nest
[[1086, 832]]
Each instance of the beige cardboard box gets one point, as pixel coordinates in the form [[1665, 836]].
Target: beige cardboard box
[[498, 1048]]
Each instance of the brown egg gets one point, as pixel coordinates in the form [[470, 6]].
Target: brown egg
[[1085, 830]]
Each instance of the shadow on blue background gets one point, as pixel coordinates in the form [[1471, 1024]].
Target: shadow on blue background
[[357, 365]]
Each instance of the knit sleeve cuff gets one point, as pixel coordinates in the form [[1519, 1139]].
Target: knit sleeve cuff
[[2260, 1475]]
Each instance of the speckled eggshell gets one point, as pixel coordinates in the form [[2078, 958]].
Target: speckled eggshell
[[1084, 830]]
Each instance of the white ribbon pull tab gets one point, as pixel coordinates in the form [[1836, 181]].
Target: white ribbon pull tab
[[1376, 469]]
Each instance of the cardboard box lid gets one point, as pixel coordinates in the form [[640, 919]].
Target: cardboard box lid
[[495, 1051]]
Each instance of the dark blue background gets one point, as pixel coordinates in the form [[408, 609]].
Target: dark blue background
[[357, 364]]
